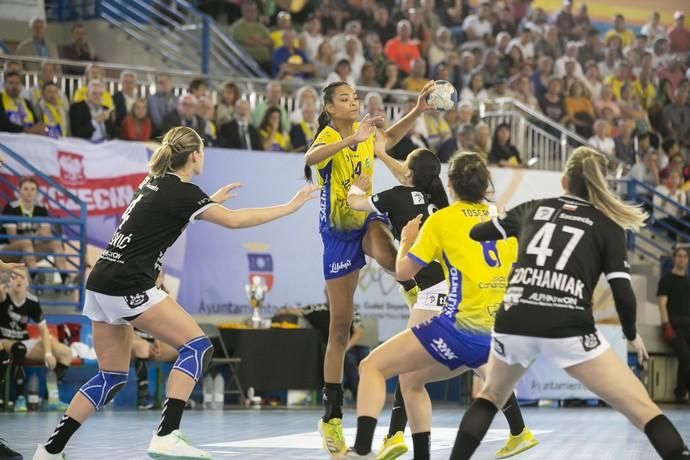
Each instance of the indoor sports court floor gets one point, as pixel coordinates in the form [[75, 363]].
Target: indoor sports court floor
[[568, 434]]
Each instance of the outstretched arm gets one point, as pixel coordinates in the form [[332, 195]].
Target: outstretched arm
[[357, 196], [397, 168], [405, 266], [318, 153], [401, 127]]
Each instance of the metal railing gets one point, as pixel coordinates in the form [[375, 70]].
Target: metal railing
[[177, 31], [69, 231]]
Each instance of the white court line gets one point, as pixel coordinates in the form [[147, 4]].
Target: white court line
[[441, 438]]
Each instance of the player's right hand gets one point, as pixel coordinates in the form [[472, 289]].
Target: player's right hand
[[366, 127], [303, 195], [13, 270], [225, 193]]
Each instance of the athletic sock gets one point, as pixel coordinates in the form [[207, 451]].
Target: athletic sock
[[666, 439], [171, 416], [141, 367], [63, 432], [421, 443], [365, 434], [398, 414], [332, 401], [513, 415], [473, 427]]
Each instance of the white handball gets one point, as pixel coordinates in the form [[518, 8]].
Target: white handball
[[443, 97]]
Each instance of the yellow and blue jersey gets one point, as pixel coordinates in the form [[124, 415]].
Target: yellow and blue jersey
[[477, 273], [336, 175]]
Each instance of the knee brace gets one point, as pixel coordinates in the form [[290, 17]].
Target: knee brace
[[103, 387], [194, 357], [18, 352]]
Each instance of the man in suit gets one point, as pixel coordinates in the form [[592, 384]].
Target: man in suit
[[124, 99], [90, 119], [240, 133], [17, 114], [37, 45], [185, 115]]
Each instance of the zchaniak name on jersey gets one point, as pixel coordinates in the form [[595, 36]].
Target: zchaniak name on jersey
[[548, 279]]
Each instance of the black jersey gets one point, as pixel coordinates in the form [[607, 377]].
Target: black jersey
[[15, 208], [677, 289], [402, 204], [157, 215], [14, 318], [565, 244]]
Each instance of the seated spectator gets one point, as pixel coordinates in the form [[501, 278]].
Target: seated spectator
[[678, 34], [284, 21], [352, 28], [17, 114], [342, 72], [625, 148], [353, 53], [252, 35], [653, 29], [45, 75], [503, 153], [240, 133], [290, 62], [400, 49], [274, 94], [94, 72], [442, 45], [368, 76], [592, 81], [522, 92], [272, 138], [161, 103], [571, 51], [311, 36], [475, 92], [124, 99], [26, 206], [53, 112], [435, 129], [646, 171], [302, 133], [490, 69], [671, 149], [677, 117], [137, 126], [304, 95], [466, 111], [537, 21], [579, 110], [205, 111], [667, 214], [583, 23], [324, 60], [90, 119], [225, 108], [198, 88], [376, 56], [619, 29], [17, 307], [525, 41], [606, 101], [602, 140], [643, 87], [498, 90], [78, 50], [483, 140], [373, 105], [672, 70], [552, 102], [644, 146], [391, 77], [383, 26], [541, 77], [550, 44], [477, 27], [417, 79], [511, 64], [37, 45], [186, 115], [464, 139], [619, 78], [564, 20]]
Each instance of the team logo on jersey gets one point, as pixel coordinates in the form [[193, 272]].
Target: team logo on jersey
[[136, 300], [260, 263], [418, 198], [544, 213], [590, 341], [71, 167]]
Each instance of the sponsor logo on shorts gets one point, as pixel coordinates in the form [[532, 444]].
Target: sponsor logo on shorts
[[590, 341], [136, 300], [443, 349], [499, 347], [337, 267]]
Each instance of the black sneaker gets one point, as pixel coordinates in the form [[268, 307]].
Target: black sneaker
[[145, 403], [8, 454]]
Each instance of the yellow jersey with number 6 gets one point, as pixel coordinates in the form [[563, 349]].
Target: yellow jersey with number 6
[[477, 273], [336, 175]]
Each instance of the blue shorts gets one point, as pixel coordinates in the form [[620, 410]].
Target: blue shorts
[[343, 252], [451, 346]]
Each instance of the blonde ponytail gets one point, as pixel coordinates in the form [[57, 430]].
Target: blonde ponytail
[[176, 146], [585, 171]]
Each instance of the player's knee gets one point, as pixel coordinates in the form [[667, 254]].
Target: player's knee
[[18, 352], [410, 382], [368, 365], [103, 387], [339, 333], [194, 357]]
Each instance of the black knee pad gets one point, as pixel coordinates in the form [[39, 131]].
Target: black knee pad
[[18, 352]]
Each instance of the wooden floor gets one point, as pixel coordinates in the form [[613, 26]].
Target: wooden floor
[[572, 434]]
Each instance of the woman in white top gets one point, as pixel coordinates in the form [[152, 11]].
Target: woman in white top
[[474, 92], [442, 45], [311, 37], [667, 213]]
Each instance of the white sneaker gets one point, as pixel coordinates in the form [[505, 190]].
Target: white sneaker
[[43, 454], [174, 446]]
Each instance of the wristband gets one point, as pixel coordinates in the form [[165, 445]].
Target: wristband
[[354, 190]]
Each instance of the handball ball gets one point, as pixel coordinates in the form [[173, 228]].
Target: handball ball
[[443, 97]]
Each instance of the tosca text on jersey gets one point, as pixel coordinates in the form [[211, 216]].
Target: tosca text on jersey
[[548, 279]]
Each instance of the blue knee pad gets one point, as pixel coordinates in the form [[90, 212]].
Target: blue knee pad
[[194, 357], [103, 387]]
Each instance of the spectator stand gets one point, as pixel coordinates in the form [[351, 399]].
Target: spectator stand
[[176, 30], [69, 229]]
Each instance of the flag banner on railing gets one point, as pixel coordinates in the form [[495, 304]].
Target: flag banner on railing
[[104, 176]]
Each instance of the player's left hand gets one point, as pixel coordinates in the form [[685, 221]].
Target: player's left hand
[[225, 193], [50, 361], [411, 229], [422, 105], [641, 349], [380, 139], [303, 195]]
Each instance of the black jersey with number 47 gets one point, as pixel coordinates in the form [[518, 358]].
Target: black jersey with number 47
[[565, 244], [402, 204], [157, 215]]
